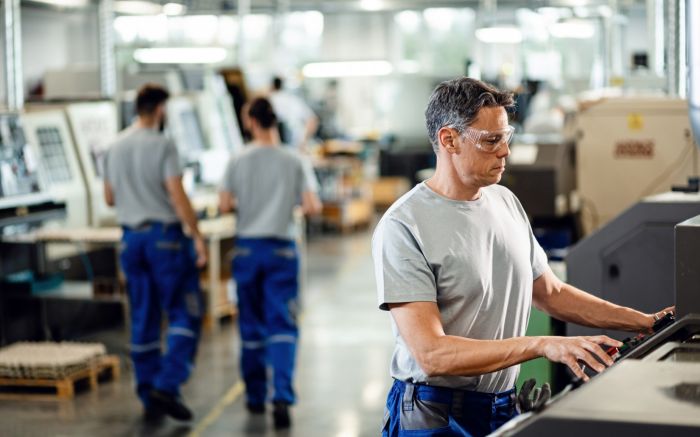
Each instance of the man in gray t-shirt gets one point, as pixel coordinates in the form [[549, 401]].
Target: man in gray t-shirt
[[458, 267], [264, 184], [143, 181]]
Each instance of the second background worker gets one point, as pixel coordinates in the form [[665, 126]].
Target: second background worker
[[264, 184]]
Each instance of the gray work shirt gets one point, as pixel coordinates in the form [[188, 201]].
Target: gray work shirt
[[476, 259], [267, 183], [136, 166]]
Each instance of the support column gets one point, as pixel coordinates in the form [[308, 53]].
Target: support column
[[108, 71], [12, 45]]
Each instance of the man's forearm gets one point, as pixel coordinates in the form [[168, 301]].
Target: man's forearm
[[570, 304], [452, 355], [186, 214]]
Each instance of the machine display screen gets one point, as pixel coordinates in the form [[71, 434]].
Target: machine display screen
[[192, 131], [17, 165], [51, 145]]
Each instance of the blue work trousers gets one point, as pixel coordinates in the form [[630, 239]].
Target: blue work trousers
[[423, 410], [266, 271], [159, 263]]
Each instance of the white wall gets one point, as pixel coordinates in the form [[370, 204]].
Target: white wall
[[54, 39]]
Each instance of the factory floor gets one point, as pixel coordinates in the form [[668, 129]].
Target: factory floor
[[341, 380]]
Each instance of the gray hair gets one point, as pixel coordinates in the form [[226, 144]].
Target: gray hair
[[456, 103]]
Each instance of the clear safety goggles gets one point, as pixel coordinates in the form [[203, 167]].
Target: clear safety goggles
[[488, 141]]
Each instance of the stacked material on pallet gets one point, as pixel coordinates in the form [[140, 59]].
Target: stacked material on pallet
[[48, 360]]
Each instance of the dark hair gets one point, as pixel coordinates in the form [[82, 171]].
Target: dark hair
[[261, 111], [277, 83], [456, 103], [149, 97]]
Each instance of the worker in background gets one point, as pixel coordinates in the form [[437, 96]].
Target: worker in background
[[458, 268], [264, 184], [297, 122], [143, 181]]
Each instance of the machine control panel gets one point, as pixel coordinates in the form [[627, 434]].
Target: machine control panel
[[630, 343]]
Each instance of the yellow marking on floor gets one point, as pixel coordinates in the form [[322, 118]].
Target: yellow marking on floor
[[230, 397]]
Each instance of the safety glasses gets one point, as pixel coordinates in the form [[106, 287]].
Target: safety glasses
[[489, 141]]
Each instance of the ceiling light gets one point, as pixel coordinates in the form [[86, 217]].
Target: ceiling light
[[181, 55], [344, 69], [137, 7], [64, 3], [174, 9], [575, 29], [371, 5], [499, 35]]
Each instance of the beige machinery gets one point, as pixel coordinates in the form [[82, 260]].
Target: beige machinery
[[48, 135], [630, 148], [94, 127]]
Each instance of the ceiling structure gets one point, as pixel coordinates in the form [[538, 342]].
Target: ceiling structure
[[341, 6]]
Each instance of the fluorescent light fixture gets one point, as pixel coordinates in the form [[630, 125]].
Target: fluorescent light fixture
[[575, 29], [350, 68], [499, 35], [64, 3], [371, 5], [174, 9], [137, 7], [181, 55]]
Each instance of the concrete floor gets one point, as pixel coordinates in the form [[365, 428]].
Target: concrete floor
[[341, 381]]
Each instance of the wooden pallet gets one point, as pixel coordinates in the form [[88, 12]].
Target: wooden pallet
[[28, 388]]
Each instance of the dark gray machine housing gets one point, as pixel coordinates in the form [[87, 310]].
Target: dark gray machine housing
[[545, 186], [654, 391], [630, 261], [688, 267]]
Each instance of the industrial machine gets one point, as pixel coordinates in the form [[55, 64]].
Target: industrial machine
[[541, 173], [630, 148], [219, 126], [58, 167], [23, 199], [94, 127], [653, 389], [26, 279], [630, 260]]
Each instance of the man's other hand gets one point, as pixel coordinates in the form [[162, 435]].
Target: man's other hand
[[201, 248], [571, 350]]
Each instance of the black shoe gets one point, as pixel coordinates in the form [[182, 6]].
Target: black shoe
[[153, 415], [170, 405], [280, 415], [255, 408]]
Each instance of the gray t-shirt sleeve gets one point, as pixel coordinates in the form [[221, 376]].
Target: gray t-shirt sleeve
[[401, 270], [171, 161], [227, 182], [539, 258]]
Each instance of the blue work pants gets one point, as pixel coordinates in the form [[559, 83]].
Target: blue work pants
[[266, 271], [159, 263], [429, 411]]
